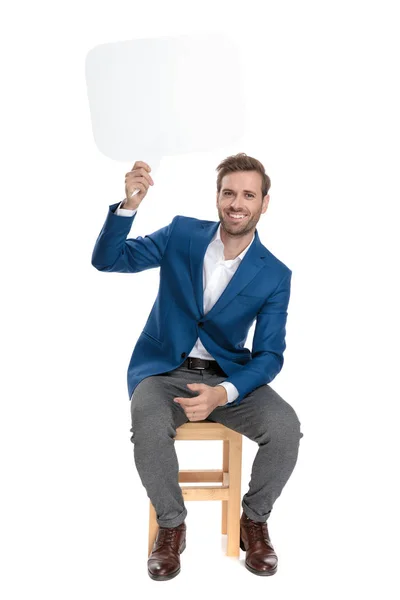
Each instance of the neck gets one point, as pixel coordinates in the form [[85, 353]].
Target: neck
[[233, 244]]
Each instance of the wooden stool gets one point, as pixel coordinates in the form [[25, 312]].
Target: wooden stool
[[230, 478]]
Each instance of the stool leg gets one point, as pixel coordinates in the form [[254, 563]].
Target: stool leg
[[235, 476], [153, 527], [225, 468]]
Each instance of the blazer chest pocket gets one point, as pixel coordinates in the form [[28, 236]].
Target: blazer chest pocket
[[252, 300]]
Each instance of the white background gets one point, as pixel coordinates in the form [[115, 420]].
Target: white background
[[322, 115]]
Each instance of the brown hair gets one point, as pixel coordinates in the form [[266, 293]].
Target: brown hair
[[242, 162]]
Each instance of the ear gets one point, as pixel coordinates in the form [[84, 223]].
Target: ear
[[265, 203]]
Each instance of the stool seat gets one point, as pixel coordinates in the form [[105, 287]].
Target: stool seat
[[229, 492]]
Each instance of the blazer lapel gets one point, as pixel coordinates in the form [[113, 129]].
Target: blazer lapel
[[249, 267]]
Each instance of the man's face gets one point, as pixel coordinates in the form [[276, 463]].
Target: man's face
[[241, 194]]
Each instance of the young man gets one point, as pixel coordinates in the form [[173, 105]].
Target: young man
[[190, 363]]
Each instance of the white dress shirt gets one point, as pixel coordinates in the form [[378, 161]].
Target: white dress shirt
[[217, 272]]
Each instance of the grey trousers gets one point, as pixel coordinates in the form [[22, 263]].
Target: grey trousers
[[262, 416]]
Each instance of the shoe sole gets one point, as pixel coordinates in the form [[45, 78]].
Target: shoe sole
[[256, 571], [262, 573], [170, 575]]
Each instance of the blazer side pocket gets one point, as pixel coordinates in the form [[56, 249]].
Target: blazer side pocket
[[151, 338]]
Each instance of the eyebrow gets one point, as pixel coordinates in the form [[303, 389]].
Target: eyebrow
[[229, 190]]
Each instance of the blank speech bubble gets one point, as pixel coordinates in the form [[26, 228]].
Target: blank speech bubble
[[157, 97]]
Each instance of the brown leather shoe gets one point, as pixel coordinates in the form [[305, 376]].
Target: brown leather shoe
[[164, 561], [254, 540]]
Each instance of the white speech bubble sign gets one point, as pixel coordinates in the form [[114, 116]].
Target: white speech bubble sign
[[164, 96]]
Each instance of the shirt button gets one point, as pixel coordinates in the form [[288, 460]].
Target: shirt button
[[200, 323]]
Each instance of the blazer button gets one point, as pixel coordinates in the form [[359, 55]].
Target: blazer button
[[200, 323], [183, 354]]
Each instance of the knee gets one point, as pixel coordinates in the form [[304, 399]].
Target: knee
[[146, 428], [147, 419], [151, 423], [145, 403], [283, 424]]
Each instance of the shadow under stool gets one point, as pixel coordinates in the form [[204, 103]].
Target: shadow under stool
[[229, 492]]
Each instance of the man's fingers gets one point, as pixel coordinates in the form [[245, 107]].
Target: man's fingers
[[136, 180], [143, 167], [141, 163], [139, 173], [187, 402]]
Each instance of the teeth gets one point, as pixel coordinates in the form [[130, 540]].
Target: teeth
[[236, 217]]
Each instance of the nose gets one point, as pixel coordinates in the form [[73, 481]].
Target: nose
[[237, 203], [237, 206]]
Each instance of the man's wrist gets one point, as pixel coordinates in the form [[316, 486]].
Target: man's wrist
[[223, 393], [126, 205]]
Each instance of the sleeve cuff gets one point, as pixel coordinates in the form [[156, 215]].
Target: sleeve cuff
[[231, 390], [124, 212]]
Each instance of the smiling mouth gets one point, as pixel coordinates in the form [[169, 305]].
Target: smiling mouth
[[238, 219]]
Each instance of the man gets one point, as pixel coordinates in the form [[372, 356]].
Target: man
[[190, 363]]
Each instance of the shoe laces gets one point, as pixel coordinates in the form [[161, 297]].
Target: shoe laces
[[256, 532], [167, 535]]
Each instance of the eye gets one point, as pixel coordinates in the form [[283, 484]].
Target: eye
[[226, 192]]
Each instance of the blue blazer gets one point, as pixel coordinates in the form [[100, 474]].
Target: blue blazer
[[258, 291]]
